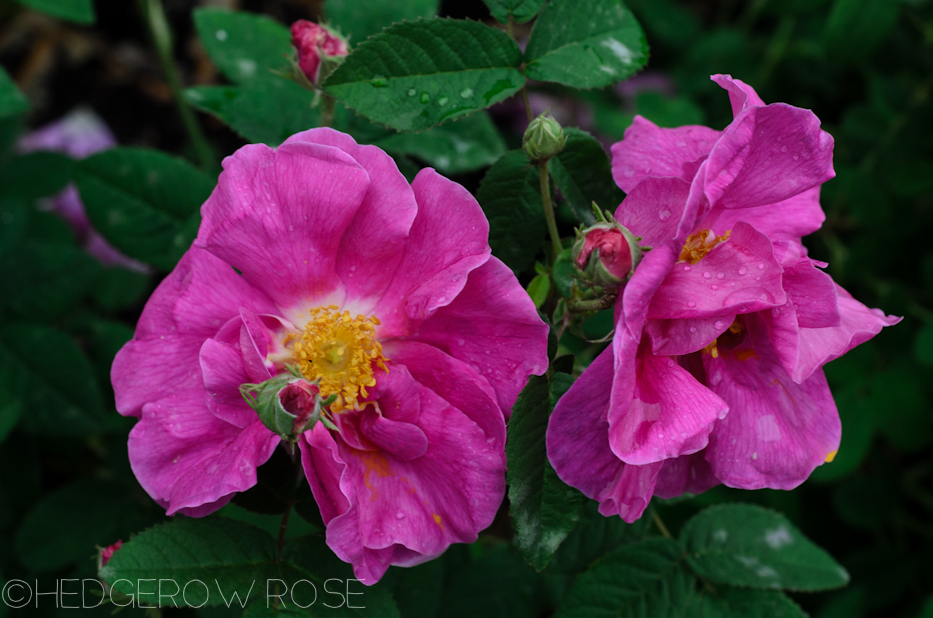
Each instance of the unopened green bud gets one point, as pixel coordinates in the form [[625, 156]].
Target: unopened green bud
[[287, 404], [544, 138]]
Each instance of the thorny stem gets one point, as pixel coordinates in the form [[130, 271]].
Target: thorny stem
[[549, 209], [156, 21]]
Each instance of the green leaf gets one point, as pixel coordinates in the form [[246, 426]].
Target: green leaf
[[464, 145], [595, 535], [11, 408], [99, 513], [732, 602], [563, 272], [14, 215], [35, 175], [590, 48], [80, 11], [645, 578], [145, 203], [418, 590], [900, 407], [119, 288], [543, 508], [245, 46], [309, 558], [747, 545], [235, 554], [583, 174], [44, 280], [415, 75], [266, 111], [510, 195], [519, 11], [12, 101], [359, 19], [56, 385], [538, 289]]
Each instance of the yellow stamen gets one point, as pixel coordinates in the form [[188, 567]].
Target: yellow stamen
[[340, 351], [831, 456], [699, 244], [711, 349]]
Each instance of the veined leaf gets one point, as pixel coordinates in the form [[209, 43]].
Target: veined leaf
[[591, 48], [245, 46], [415, 75]]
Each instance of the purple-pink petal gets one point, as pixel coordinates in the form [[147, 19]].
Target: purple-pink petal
[[647, 150], [741, 95]]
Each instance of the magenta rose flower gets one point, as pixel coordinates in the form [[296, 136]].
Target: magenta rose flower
[[714, 370], [318, 257]]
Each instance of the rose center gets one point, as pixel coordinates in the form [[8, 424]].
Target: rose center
[[341, 352], [699, 244]]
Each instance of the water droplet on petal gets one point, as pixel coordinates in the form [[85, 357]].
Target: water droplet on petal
[[693, 329], [718, 324], [664, 215], [720, 275], [687, 268], [743, 270], [761, 265], [715, 379], [783, 148], [706, 275], [776, 311], [714, 287], [691, 304], [796, 157]]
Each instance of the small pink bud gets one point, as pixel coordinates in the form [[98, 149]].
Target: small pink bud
[[299, 399], [317, 45], [107, 553], [614, 251]]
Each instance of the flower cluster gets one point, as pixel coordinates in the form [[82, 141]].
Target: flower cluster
[[321, 279], [714, 372]]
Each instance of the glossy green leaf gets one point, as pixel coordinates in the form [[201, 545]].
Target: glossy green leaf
[[463, 145], [145, 203], [583, 174], [99, 514], [543, 508], [237, 555], [519, 11], [12, 101], [510, 195], [245, 46], [80, 11], [588, 48], [267, 112], [360, 19], [645, 578], [415, 75], [747, 545], [53, 378], [729, 602], [564, 272]]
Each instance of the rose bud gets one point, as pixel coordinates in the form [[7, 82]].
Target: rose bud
[[544, 138], [286, 404], [607, 254], [320, 49]]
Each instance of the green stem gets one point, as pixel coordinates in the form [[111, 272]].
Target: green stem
[[549, 209], [327, 111], [161, 33], [595, 304], [660, 524]]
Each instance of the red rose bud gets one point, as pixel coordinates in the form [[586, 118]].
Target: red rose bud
[[607, 254], [107, 553], [320, 49], [287, 404]]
